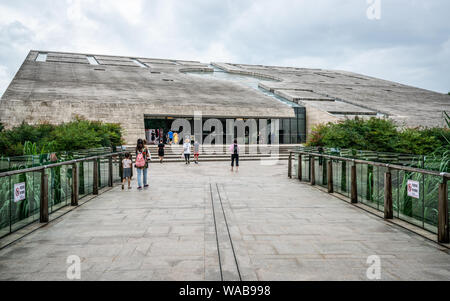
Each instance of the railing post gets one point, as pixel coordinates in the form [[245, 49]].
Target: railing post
[[299, 167], [121, 168], [443, 227], [330, 176], [81, 183], [110, 172], [354, 191], [74, 185], [44, 198], [313, 171], [388, 206], [290, 166], [95, 178]]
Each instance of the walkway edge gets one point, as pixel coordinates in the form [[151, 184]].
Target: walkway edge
[[55, 216], [402, 224]]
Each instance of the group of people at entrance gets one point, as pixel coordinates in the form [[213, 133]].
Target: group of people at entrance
[[157, 136], [187, 151], [173, 137], [143, 158]]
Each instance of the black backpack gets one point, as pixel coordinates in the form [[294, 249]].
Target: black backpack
[[235, 149]]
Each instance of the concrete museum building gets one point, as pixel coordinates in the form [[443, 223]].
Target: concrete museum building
[[149, 94]]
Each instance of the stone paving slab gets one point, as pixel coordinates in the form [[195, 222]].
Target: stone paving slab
[[280, 230]]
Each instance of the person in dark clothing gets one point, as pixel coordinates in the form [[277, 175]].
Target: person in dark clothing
[[234, 149], [153, 137], [161, 147], [320, 150]]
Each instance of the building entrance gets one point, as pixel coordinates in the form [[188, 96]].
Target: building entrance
[[290, 130]]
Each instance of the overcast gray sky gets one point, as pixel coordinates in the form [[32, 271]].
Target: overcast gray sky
[[409, 43]]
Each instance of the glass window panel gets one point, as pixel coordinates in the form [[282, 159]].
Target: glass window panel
[[42, 57]]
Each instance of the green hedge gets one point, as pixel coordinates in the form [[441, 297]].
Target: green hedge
[[381, 135], [76, 135]]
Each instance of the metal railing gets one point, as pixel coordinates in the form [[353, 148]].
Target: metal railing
[[429, 162], [31, 194], [28, 161], [381, 186]]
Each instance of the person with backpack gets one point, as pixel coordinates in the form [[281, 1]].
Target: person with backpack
[[142, 158], [234, 149]]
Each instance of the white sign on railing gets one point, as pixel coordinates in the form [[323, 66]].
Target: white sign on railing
[[19, 192], [413, 189]]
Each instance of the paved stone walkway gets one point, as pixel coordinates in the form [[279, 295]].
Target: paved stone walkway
[[205, 223]]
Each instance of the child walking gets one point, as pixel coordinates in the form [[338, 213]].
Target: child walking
[[196, 151], [127, 166]]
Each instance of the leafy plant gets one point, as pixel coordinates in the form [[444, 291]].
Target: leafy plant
[[34, 144], [380, 135], [29, 149], [46, 138], [373, 136]]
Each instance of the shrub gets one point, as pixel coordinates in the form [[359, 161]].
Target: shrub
[[75, 135], [416, 141], [381, 135]]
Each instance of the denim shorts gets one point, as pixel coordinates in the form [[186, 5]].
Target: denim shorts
[[127, 173]]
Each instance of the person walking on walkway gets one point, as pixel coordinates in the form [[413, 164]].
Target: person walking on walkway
[[142, 158], [234, 149], [153, 137], [161, 147], [127, 165], [170, 136], [187, 151], [175, 138], [196, 151]]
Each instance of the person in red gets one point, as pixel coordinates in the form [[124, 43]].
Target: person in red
[[196, 151]]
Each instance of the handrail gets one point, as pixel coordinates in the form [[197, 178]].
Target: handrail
[[379, 164], [74, 183], [443, 224], [44, 167]]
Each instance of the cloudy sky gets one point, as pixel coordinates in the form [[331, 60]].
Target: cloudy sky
[[409, 43]]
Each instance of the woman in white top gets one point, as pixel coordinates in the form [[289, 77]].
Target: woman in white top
[[187, 151]]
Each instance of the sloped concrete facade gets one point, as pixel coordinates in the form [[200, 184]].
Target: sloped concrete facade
[[121, 90], [118, 90], [344, 94]]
